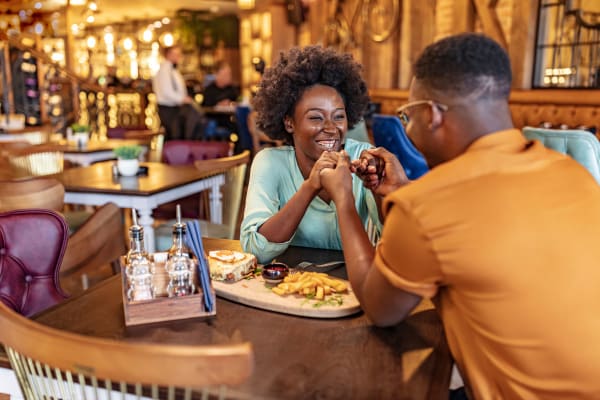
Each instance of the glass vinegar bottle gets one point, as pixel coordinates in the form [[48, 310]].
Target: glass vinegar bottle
[[139, 268], [180, 263]]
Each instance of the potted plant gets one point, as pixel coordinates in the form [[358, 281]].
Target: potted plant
[[81, 133], [127, 159]]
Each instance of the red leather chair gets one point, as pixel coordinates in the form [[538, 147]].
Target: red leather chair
[[185, 152], [32, 245]]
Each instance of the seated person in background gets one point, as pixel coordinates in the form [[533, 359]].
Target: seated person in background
[[502, 232], [285, 203], [221, 92]]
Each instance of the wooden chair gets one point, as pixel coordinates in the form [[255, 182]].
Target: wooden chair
[[91, 249], [41, 192], [37, 160], [185, 152], [232, 191], [54, 364]]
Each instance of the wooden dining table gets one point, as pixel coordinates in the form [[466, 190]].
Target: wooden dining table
[[96, 185], [97, 150], [295, 357]]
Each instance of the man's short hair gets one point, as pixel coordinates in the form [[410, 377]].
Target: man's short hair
[[465, 64], [168, 49]]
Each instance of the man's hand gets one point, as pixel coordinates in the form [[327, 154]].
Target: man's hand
[[380, 171]]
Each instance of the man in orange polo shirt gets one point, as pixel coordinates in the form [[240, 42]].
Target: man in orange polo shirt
[[502, 231]]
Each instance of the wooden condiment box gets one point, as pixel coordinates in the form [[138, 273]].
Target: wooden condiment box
[[163, 308]]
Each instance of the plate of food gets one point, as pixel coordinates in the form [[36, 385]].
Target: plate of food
[[237, 277]]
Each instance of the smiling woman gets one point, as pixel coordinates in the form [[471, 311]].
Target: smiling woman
[[309, 99]]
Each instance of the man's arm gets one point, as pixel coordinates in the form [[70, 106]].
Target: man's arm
[[383, 303]]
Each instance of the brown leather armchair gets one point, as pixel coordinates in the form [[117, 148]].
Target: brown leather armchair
[[32, 245]]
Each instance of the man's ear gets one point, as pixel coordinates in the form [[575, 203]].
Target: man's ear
[[437, 118], [288, 124]]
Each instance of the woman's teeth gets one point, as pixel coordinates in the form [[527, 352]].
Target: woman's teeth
[[327, 144]]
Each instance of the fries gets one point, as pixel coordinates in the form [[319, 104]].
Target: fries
[[310, 284]]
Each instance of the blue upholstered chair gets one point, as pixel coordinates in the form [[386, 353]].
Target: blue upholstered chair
[[389, 133], [244, 135], [581, 145]]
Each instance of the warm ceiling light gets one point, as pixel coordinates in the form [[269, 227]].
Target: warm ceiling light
[[166, 20], [77, 2], [90, 19], [91, 42], [75, 28], [93, 6], [167, 39], [147, 36], [109, 37], [127, 44], [245, 4]]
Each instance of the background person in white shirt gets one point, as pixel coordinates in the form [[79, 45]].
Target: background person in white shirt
[[175, 108]]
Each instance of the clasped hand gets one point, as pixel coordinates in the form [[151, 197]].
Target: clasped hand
[[380, 171]]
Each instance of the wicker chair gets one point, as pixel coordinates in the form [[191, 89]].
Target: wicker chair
[[54, 364]]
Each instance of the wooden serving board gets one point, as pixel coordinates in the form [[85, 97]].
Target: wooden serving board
[[257, 293]]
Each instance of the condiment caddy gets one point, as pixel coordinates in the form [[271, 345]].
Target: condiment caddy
[[162, 286]]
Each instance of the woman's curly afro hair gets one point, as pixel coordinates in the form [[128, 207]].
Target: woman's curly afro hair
[[282, 86]]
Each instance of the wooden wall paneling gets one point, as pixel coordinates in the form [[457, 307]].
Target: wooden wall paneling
[[417, 31], [284, 35], [381, 60], [521, 49], [316, 20], [490, 21], [454, 16]]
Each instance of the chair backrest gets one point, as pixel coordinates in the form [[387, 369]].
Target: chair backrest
[[54, 364], [37, 160], [38, 192], [235, 168], [184, 152], [32, 245], [244, 135], [95, 245], [389, 133], [581, 145]]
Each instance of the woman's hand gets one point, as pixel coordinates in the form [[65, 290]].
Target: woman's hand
[[328, 159], [337, 180]]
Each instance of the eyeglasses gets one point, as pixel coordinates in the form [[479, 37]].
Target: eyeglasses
[[403, 115]]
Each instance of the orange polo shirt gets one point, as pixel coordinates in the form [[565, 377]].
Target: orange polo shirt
[[508, 237]]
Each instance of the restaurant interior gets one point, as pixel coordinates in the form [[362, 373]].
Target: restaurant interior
[[77, 95]]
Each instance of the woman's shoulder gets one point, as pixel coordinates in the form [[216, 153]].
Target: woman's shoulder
[[274, 155]]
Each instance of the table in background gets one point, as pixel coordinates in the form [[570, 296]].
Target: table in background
[[95, 185], [98, 150], [295, 357]]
